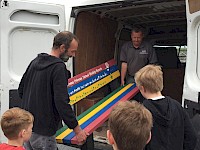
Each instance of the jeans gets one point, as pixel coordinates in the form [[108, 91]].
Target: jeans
[[40, 142]]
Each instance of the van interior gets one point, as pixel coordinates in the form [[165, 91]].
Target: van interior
[[103, 28]]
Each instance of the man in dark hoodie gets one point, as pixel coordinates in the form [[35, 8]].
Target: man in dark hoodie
[[43, 89], [172, 128]]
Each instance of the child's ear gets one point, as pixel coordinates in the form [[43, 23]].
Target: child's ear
[[22, 133], [142, 88], [110, 137], [149, 138]]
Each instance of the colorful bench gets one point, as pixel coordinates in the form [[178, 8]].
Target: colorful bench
[[86, 83]]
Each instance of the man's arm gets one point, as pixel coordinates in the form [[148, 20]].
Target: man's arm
[[61, 99], [123, 59], [123, 72]]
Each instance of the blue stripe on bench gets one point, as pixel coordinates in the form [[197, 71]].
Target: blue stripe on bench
[[85, 83]]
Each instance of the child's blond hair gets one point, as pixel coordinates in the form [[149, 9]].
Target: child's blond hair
[[14, 120], [130, 124], [151, 78]]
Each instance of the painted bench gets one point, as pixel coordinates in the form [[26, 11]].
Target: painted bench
[[86, 83]]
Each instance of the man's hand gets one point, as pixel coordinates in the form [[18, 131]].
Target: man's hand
[[81, 135]]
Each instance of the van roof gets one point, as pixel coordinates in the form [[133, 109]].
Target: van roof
[[164, 20]]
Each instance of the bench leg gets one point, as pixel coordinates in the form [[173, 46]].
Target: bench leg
[[89, 144]]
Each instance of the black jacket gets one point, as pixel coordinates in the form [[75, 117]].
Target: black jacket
[[43, 89], [172, 128]]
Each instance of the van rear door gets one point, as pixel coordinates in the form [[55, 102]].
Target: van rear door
[[26, 29], [191, 91]]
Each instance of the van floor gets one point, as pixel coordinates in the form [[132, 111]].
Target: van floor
[[100, 138]]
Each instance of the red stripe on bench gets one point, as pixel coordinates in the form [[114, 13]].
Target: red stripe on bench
[[78, 78]]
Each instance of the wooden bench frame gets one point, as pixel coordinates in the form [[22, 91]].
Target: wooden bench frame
[[95, 116]]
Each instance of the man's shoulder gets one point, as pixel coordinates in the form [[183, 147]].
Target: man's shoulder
[[146, 43], [126, 46], [59, 66], [127, 43]]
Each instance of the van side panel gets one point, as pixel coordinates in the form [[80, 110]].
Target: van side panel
[[97, 41]]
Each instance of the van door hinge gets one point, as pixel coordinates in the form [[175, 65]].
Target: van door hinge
[[4, 3]]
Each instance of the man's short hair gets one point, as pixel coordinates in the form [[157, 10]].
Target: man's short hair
[[65, 38], [150, 77], [137, 29], [14, 120], [130, 124]]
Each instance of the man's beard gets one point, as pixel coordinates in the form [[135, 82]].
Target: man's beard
[[64, 57]]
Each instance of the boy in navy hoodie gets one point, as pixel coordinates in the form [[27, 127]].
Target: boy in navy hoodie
[[172, 128]]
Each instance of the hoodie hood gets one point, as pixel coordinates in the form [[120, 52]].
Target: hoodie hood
[[44, 60], [161, 110]]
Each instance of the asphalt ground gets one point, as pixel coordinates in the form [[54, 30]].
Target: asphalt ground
[[97, 146]]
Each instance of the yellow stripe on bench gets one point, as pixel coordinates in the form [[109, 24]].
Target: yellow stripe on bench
[[87, 91]]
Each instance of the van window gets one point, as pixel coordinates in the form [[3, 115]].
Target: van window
[[171, 56], [182, 54]]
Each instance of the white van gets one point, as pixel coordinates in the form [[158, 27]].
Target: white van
[[102, 26]]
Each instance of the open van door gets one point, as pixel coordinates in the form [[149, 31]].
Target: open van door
[[191, 91], [27, 28]]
